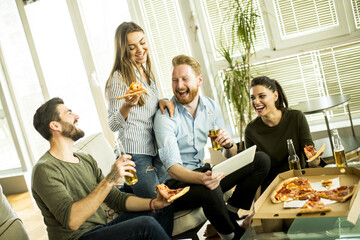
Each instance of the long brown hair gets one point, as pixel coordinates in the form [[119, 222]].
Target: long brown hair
[[123, 62]]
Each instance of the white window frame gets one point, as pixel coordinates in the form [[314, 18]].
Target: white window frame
[[344, 27]]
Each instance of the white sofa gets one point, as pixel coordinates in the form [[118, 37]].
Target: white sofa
[[186, 223], [11, 227]]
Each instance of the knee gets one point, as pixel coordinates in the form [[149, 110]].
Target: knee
[[262, 162], [147, 221], [212, 196]]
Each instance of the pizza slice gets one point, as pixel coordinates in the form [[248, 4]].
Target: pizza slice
[[327, 183], [135, 88], [292, 189], [314, 205], [340, 194], [171, 194], [312, 154]]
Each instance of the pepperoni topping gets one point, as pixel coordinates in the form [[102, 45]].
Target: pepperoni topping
[[342, 188], [303, 197], [285, 191], [314, 198], [343, 193], [303, 191]]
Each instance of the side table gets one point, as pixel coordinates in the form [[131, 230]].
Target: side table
[[323, 105]]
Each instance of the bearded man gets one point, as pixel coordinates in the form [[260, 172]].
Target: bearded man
[[69, 187], [181, 141]]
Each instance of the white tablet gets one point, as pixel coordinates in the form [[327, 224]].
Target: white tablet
[[236, 162]]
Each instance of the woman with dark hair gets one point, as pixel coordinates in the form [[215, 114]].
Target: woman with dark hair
[[132, 117], [274, 125]]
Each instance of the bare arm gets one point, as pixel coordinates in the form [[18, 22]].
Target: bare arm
[[170, 105], [136, 204], [86, 207], [231, 151], [183, 174], [128, 104], [224, 139]]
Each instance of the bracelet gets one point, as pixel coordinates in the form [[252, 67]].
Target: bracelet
[[232, 144], [151, 209]]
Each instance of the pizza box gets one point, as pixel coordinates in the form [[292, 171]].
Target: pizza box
[[266, 209]]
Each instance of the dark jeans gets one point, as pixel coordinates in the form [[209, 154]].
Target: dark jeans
[[135, 225], [247, 180]]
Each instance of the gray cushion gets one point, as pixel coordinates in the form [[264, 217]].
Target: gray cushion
[[6, 211], [99, 148], [11, 227]]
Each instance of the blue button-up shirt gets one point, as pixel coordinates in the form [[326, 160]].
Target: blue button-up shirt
[[182, 139]]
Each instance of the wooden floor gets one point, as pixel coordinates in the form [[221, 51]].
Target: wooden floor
[[29, 213]]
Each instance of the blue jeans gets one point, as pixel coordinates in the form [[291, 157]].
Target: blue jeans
[[150, 172], [141, 227]]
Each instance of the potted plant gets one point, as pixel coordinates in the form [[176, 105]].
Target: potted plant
[[236, 77]]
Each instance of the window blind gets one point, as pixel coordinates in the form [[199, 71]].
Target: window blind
[[219, 24], [167, 37], [356, 11], [312, 74], [296, 18]]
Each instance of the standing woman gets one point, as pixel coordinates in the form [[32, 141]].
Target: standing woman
[[274, 125], [132, 117]]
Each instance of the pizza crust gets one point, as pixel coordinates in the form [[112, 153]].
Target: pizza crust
[[279, 187], [315, 210], [336, 197], [131, 94], [179, 194], [349, 195], [318, 153]]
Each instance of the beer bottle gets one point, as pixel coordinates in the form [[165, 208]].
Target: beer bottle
[[213, 132], [339, 150], [294, 161], [121, 151]]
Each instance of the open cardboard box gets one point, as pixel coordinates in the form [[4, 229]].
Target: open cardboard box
[[266, 209]]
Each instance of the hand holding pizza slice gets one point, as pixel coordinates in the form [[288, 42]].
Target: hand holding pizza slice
[[135, 88], [171, 194], [312, 154]]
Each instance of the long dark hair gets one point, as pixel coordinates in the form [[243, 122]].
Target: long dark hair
[[273, 85]]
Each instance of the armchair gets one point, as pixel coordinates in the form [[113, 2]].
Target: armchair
[[11, 227]]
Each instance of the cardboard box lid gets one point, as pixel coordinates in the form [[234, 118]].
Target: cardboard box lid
[[266, 209]]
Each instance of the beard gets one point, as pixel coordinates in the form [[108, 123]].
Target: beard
[[70, 131], [192, 94]]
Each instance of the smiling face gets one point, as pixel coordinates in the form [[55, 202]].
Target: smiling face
[[138, 47], [185, 83], [69, 121], [263, 100]]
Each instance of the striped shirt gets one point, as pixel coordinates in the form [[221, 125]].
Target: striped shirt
[[136, 132]]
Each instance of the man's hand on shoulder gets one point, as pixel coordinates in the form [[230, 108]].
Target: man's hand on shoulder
[[212, 181], [170, 105]]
